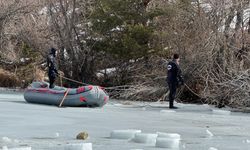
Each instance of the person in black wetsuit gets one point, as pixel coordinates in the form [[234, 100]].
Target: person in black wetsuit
[[174, 79], [52, 68]]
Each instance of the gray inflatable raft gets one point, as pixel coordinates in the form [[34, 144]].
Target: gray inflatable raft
[[85, 96]]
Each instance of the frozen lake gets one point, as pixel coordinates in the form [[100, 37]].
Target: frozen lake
[[48, 127]]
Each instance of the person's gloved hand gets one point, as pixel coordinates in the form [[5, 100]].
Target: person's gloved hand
[[60, 73], [180, 82]]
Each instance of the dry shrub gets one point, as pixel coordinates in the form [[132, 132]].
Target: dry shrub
[[138, 92], [30, 73], [8, 79], [39, 74], [144, 93], [146, 81], [233, 91]]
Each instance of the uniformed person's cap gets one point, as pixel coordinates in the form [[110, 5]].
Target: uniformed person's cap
[[53, 49], [176, 56]]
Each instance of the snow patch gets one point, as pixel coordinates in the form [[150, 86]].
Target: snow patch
[[246, 141], [43, 11], [79, 25], [6, 139], [107, 71], [212, 148], [209, 133], [221, 112], [20, 148], [118, 105], [246, 15], [116, 29], [206, 7], [56, 134], [4, 148], [17, 148], [124, 134], [184, 146], [24, 59], [167, 111], [78, 146], [90, 24], [82, 33]]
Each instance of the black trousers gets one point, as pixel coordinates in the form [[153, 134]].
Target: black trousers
[[51, 82], [172, 93]]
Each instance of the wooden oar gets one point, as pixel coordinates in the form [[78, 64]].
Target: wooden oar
[[66, 93]]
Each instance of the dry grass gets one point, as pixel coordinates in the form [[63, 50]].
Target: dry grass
[[8, 79], [146, 81], [39, 75]]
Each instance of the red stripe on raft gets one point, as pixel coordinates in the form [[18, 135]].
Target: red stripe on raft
[[80, 89], [106, 99], [82, 99], [90, 87]]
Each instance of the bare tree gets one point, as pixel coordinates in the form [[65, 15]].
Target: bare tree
[[212, 36], [10, 11], [69, 22]]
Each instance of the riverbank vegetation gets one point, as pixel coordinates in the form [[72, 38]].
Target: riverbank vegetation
[[124, 45]]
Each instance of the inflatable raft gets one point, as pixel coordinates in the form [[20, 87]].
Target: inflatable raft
[[85, 96]]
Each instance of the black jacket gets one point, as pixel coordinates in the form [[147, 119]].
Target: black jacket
[[51, 63], [174, 73]]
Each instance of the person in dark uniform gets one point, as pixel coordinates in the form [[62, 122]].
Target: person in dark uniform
[[174, 79], [52, 68]]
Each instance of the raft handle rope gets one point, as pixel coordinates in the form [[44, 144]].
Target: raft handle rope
[[192, 90], [84, 83], [73, 80], [119, 86]]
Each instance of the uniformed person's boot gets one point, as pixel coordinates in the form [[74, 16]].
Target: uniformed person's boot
[[171, 105]]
